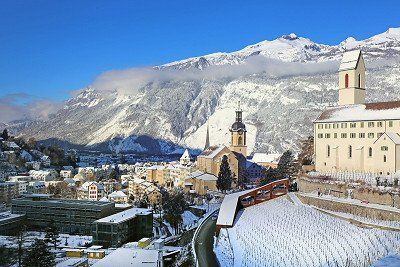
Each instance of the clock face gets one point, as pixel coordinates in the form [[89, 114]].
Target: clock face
[[240, 132]]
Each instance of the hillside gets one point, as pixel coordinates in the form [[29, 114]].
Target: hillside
[[282, 85]]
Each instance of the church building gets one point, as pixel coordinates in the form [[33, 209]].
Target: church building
[[209, 160], [357, 136]]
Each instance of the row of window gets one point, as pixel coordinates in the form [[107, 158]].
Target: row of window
[[343, 125], [350, 151], [352, 135]]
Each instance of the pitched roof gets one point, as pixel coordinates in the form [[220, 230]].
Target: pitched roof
[[185, 155], [350, 60], [264, 157], [362, 112], [203, 176], [392, 136], [211, 151]]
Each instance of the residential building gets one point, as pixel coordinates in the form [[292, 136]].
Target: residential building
[[122, 227], [255, 171], [357, 136], [44, 175], [201, 183], [69, 215], [64, 174], [45, 160], [91, 191], [8, 191], [267, 160], [118, 197], [139, 188]]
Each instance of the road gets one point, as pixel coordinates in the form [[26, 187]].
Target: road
[[204, 244]]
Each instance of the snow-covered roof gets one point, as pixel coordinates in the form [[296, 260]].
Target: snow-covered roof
[[8, 215], [264, 158], [104, 199], [117, 194], [362, 112], [350, 60], [124, 215], [129, 257], [185, 155], [203, 176], [227, 210], [11, 144], [392, 136], [211, 151]]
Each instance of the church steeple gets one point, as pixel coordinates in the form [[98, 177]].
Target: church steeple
[[352, 78], [207, 138], [238, 134]]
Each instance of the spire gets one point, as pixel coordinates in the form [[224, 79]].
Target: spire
[[238, 113], [207, 138]]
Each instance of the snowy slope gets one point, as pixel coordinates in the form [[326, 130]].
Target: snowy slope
[[165, 108], [292, 235]]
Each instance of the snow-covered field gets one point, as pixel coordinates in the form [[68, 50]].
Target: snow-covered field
[[280, 233], [65, 240]]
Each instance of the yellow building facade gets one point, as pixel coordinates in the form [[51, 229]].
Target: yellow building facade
[[357, 136]]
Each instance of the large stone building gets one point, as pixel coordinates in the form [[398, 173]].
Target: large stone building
[[209, 160], [357, 136]]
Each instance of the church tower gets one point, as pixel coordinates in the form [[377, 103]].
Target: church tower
[[352, 78], [238, 134]]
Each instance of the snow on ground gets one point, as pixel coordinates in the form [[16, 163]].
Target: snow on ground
[[189, 219], [280, 233], [65, 240]]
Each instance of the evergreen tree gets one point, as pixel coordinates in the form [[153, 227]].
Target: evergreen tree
[[174, 204], [20, 242], [39, 255], [5, 257], [113, 174], [224, 181], [52, 234], [5, 135], [286, 166]]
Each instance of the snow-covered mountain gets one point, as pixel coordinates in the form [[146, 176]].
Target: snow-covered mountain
[[282, 85]]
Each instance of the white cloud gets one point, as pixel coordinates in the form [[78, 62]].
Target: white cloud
[[23, 106], [129, 81]]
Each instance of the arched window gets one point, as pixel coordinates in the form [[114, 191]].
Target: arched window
[[384, 158], [350, 151], [346, 80], [370, 152], [240, 141], [359, 80], [328, 151]]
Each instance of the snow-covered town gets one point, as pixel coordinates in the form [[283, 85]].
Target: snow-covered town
[[128, 139]]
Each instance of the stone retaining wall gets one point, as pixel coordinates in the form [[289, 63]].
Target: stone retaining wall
[[367, 212], [361, 192]]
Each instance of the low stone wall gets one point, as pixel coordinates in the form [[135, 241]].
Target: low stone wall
[[368, 212], [340, 189]]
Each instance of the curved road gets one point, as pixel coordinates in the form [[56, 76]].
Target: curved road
[[204, 244]]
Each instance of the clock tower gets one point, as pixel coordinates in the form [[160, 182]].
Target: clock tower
[[238, 134]]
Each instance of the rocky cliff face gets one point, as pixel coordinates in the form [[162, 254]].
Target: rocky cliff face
[[282, 85]]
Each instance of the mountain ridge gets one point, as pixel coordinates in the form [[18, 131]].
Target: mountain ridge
[[272, 79]]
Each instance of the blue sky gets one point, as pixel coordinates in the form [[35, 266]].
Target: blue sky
[[49, 48]]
